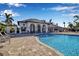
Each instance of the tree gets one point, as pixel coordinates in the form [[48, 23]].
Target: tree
[[9, 19], [77, 26], [50, 20], [2, 27], [74, 26], [70, 25], [64, 24], [77, 18]]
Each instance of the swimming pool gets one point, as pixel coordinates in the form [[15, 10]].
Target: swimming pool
[[66, 44]]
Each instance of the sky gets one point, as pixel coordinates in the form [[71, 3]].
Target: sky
[[58, 12]]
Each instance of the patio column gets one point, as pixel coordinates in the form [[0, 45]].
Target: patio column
[[8, 29], [35, 28], [26, 29], [15, 29], [53, 29], [20, 30], [41, 27], [46, 28]]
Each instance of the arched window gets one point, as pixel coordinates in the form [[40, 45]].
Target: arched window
[[49, 29], [23, 28], [43, 28], [38, 28], [32, 28]]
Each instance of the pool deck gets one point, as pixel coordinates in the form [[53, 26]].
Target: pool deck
[[26, 46], [69, 33], [30, 46]]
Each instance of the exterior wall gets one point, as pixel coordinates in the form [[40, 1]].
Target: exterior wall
[[36, 26], [15, 28], [27, 25], [51, 26], [22, 25], [8, 29]]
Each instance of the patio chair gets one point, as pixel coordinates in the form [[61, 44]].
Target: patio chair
[[1, 38], [4, 37]]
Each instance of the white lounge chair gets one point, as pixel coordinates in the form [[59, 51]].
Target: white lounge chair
[[4, 37]]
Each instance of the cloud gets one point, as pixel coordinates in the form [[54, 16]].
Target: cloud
[[60, 8], [64, 8], [70, 14], [73, 14], [16, 4], [9, 12]]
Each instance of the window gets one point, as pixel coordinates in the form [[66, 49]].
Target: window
[[23, 24]]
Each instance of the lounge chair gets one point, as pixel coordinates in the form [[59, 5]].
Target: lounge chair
[[1, 38], [4, 37]]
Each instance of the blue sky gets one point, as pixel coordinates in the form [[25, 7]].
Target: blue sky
[[58, 12]]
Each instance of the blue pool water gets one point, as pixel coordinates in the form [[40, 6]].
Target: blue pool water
[[66, 44]]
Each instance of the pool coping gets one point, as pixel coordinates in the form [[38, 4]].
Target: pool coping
[[55, 50], [66, 34]]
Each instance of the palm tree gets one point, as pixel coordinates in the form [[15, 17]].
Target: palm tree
[[9, 19], [2, 27], [70, 25], [50, 20], [77, 26], [64, 24], [77, 18]]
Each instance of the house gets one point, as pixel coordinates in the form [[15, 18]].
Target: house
[[34, 26], [37, 26]]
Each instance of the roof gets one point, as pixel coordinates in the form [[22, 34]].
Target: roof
[[33, 20], [38, 21]]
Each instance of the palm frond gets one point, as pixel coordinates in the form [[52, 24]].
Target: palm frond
[[11, 18]]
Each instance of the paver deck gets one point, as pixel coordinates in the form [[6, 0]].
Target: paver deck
[[25, 46]]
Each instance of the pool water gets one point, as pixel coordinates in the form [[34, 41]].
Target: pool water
[[66, 44]]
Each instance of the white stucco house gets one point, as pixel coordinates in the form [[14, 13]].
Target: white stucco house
[[35, 26]]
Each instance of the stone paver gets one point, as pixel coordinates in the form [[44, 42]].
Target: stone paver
[[26, 46]]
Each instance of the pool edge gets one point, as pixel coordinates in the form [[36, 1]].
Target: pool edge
[[56, 51]]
